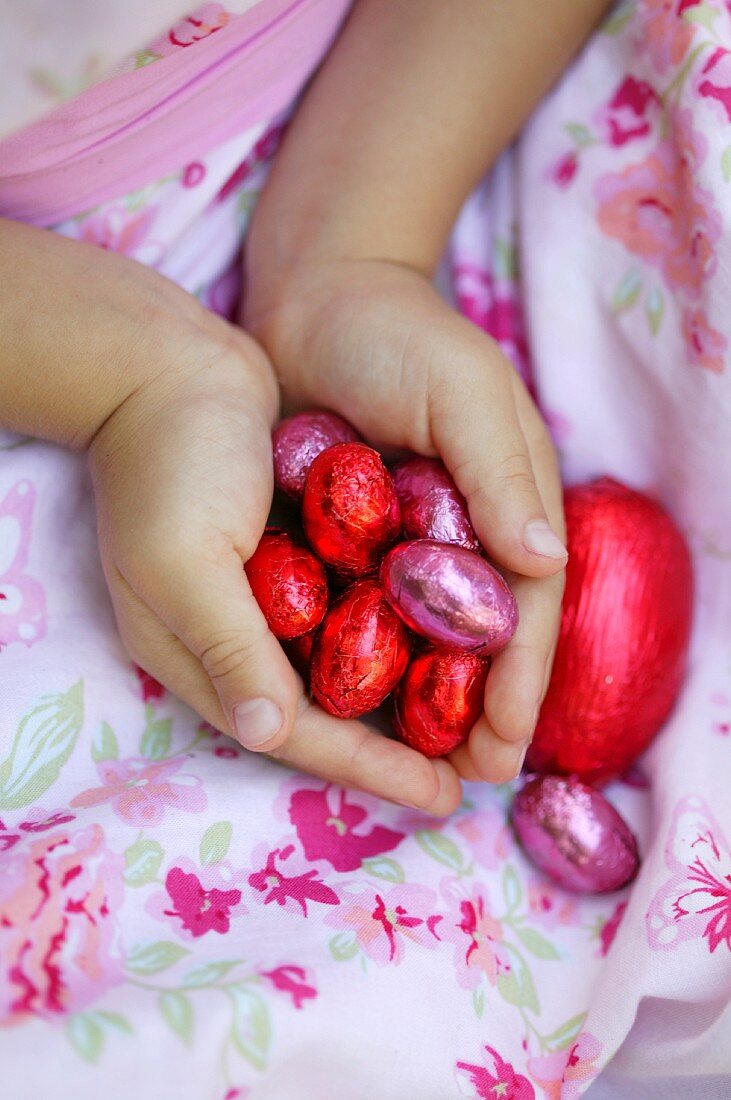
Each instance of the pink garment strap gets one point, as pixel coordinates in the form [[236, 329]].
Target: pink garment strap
[[139, 126]]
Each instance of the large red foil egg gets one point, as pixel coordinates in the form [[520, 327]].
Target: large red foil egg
[[574, 835], [624, 636], [439, 699], [432, 506], [360, 653], [350, 510], [299, 439], [288, 583], [450, 595]]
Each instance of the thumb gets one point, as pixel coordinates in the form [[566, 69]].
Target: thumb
[[212, 610]]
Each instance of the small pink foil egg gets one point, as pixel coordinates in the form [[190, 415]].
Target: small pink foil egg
[[450, 595], [432, 506], [574, 835], [299, 439]]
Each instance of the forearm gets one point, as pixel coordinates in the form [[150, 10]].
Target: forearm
[[415, 101], [80, 330]]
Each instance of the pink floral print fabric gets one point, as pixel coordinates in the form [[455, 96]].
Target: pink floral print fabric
[[179, 918]]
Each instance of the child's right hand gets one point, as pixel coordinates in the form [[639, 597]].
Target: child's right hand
[[175, 409]]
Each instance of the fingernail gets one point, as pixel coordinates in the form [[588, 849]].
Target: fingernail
[[256, 722], [521, 759], [539, 538]]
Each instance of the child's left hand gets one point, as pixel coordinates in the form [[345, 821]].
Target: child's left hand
[[374, 341]]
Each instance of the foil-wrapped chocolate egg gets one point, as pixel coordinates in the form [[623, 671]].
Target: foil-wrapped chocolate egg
[[299, 439], [350, 510], [450, 595], [299, 651], [624, 635], [439, 699], [288, 583], [574, 835], [360, 653], [432, 506]]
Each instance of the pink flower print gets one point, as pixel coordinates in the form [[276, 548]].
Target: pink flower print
[[716, 82], [37, 820], [695, 902], [705, 345], [626, 116], [610, 928], [295, 885], [201, 24], [141, 790], [60, 943], [326, 823], [477, 936], [657, 210], [116, 229], [550, 906], [293, 981], [22, 599], [495, 309], [666, 33], [565, 1074], [487, 835], [150, 689], [198, 900], [384, 922], [564, 170], [496, 1078], [193, 174]]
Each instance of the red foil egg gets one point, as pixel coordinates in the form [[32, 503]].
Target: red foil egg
[[450, 595], [432, 506], [574, 835], [288, 583], [350, 510], [624, 636], [439, 699], [299, 439], [360, 653]]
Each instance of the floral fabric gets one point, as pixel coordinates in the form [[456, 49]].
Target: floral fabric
[[181, 919]]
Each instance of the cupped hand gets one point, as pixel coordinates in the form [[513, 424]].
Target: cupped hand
[[183, 485], [373, 341]]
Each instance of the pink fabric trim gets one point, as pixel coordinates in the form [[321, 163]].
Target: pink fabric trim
[[137, 127]]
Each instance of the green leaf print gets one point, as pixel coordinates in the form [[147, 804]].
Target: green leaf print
[[619, 19], [654, 309], [517, 986], [478, 1002], [250, 1027], [565, 1034], [113, 1020], [705, 14], [85, 1036], [155, 741], [726, 163], [441, 848], [512, 890], [177, 1011], [385, 868], [104, 746], [43, 743], [344, 946], [215, 843], [207, 974], [154, 957], [627, 292], [580, 134], [142, 862], [536, 943]]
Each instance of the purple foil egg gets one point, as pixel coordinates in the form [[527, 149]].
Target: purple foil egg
[[450, 595], [432, 506], [574, 835], [299, 439]]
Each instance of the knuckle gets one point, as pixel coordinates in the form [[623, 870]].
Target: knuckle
[[514, 473], [226, 655]]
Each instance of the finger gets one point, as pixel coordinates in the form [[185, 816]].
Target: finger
[[461, 761], [206, 601], [342, 752], [493, 467], [349, 753]]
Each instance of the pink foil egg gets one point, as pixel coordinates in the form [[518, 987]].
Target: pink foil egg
[[450, 595], [574, 835], [432, 506], [299, 439]]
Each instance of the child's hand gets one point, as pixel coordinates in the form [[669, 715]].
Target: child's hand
[[182, 472], [373, 341]]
